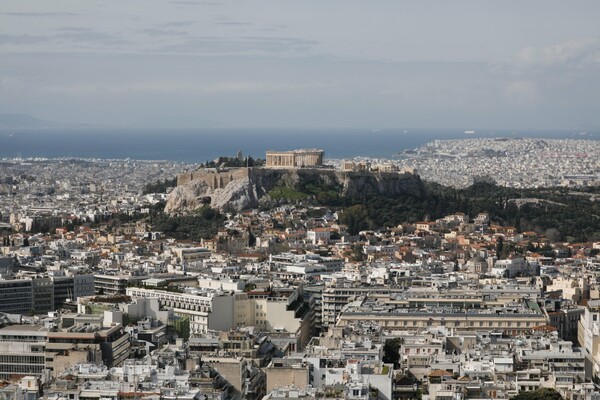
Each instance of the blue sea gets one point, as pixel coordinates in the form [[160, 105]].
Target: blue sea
[[199, 145]]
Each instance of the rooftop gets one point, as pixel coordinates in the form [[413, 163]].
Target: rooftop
[[23, 328]]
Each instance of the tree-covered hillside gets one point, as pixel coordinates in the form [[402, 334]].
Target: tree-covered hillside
[[571, 215]]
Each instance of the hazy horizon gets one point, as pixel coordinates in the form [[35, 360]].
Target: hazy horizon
[[41, 125], [465, 64], [199, 145]]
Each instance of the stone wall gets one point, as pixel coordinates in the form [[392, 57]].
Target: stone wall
[[215, 178]]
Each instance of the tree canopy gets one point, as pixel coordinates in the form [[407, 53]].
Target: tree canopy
[[391, 351], [539, 394]]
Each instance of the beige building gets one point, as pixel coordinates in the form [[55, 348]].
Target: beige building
[[508, 323], [286, 372], [572, 288], [356, 166], [247, 380], [484, 311], [294, 158], [276, 313]]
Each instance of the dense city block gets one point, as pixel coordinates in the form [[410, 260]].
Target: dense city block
[[298, 277]]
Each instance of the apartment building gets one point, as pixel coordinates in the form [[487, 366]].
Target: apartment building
[[279, 311], [198, 306], [22, 351], [82, 338], [588, 335], [511, 320]]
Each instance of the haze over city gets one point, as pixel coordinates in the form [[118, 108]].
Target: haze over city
[[310, 64]]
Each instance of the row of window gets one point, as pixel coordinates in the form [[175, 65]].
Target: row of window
[[11, 361], [498, 324]]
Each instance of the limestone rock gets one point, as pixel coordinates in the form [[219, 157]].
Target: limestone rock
[[187, 197], [249, 188]]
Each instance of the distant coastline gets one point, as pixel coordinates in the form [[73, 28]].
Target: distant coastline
[[200, 145]]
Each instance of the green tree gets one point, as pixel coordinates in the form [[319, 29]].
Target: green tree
[[499, 247], [159, 187], [356, 218], [357, 253], [540, 394], [251, 238], [391, 351]]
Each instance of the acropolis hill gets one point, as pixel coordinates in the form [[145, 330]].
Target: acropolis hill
[[242, 188]]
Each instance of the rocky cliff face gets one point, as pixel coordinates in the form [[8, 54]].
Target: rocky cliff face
[[238, 195], [250, 191]]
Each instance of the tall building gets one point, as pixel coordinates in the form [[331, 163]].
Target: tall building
[[42, 294], [16, 296]]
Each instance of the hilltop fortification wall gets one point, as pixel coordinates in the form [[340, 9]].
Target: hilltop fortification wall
[[215, 178]]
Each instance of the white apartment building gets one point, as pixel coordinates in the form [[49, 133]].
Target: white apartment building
[[224, 284], [215, 310], [588, 335], [206, 309], [318, 235], [514, 267]]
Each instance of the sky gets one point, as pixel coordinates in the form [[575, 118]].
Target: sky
[[303, 64]]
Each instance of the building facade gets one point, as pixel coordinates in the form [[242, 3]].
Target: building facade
[[294, 158], [22, 351], [42, 294]]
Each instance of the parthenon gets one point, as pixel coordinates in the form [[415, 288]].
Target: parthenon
[[294, 158]]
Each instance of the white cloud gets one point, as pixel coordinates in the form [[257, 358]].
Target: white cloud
[[573, 53]]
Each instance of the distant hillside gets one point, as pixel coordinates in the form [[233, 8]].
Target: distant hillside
[[561, 214], [19, 121], [26, 121]]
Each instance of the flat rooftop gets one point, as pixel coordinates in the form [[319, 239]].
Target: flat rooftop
[[23, 328]]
